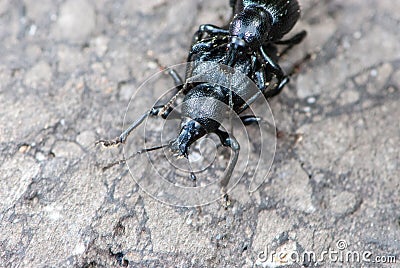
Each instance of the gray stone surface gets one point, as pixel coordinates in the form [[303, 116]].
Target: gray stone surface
[[67, 71]]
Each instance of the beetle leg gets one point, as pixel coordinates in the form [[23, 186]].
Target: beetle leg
[[263, 82], [180, 87], [276, 69], [231, 142], [165, 113], [177, 79], [294, 40], [232, 3], [275, 91], [122, 138], [250, 119], [208, 29], [169, 113], [205, 46]]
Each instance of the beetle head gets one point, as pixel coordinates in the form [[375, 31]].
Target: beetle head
[[190, 132], [250, 28]]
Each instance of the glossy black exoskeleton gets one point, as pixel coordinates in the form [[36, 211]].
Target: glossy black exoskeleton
[[247, 46]]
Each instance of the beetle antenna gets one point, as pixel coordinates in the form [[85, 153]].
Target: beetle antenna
[[144, 150]]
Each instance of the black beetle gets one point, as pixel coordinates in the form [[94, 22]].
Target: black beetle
[[248, 45], [255, 30]]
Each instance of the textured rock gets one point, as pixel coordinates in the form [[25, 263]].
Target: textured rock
[[67, 72], [77, 20]]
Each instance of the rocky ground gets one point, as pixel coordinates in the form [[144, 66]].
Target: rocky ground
[[67, 71]]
